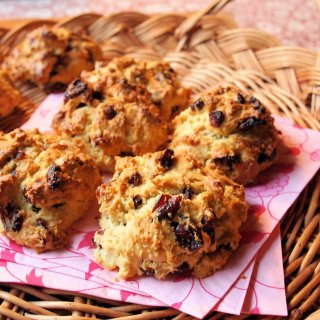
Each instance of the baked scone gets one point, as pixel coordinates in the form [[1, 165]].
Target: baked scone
[[45, 186], [51, 57], [229, 131], [120, 122], [162, 214], [158, 77], [9, 96]]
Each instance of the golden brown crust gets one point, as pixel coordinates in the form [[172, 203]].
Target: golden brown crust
[[172, 215], [9, 96], [117, 121], [228, 131], [45, 186], [158, 78], [51, 57]]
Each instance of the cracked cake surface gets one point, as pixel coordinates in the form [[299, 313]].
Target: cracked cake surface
[[51, 57], [227, 131], [45, 186], [162, 214]]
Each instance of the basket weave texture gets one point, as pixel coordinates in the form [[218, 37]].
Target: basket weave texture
[[205, 48]]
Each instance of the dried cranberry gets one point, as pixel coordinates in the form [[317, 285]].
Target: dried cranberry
[[109, 112], [161, 201], [228, 161], [241, 99], [169, 208], [187, 193], [249, 123], [75, 88], [11, 218], [216, 118], [137, 201], [198, 104], [166, 160], [54, 177], [135, 179]]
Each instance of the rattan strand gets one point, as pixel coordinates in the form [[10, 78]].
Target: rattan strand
[[286, 79]]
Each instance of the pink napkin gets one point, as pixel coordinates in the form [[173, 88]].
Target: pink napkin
[[269, 200], [52, 268]]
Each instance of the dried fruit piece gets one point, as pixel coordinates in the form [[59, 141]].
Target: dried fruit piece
[[190, 238], [216, 118], [54, 177], [75, 88], [249, 123], [263, 157], [167, 207], [208, 223], [241, 99], [166, 160], [137, 201], [11, 218], [109, 112], [41, 223], [198, 104], [228, 161], [187, 193], [135, 179]]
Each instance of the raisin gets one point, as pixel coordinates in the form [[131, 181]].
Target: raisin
[[190, 238], [174, 110], [41, 223], [183, 267], [208, 223], [187, 193], [167, 206], [228, 161], [216, 118], [58, 205], [263, 157], [75, 88], [166, 160], [137, 201], [54, 177], [250, 123], [225, 246], [135, 179], [198, 104], [126, 154], [81, 105], [97, 95], [109, 112], [11, 218], [241, 99], [35, 209], [157, 103]]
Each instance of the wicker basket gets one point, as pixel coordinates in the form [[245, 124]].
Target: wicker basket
[[205, 48]]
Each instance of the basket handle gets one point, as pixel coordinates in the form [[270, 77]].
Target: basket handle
[[189, 23]]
